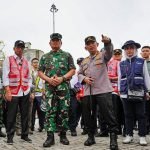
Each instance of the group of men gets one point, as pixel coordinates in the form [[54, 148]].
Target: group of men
[[103, 78]]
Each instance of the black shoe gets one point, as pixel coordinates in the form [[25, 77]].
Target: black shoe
[[113, 141], [2, 134], [84, 132], [10, 141], [119, 132], [32, 128], [90, 141], [102, 134], [26, 139], [63, 138], [50, 140], [30, 131], [40, 129], [73, 133]]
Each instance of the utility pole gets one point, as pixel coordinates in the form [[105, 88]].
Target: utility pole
[[53, 10]]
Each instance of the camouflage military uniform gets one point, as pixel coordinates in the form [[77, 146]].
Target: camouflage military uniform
[[57, 98]]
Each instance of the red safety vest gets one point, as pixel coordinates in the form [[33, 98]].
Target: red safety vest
[[113, 72], [18, 77]]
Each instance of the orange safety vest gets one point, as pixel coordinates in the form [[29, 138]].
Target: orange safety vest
[[18, 77], [112, 67]]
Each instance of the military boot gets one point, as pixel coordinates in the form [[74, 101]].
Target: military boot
[[1, 133], [50, 139], [63, 138], [90, 141], [113, 141]]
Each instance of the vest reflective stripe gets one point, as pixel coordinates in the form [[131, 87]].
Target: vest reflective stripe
[[18, 77], [112, 66], [37, 89], [14, 79]]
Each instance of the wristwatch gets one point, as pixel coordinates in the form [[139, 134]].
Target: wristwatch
[[64, 78]]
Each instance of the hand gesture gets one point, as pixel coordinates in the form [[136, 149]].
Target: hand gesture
[[8, 96], [105, 39], [88, 80]]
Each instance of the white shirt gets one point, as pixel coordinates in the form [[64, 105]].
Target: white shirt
[[74, 80], [5, 77]]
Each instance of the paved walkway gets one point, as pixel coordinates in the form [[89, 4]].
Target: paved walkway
[[76, 143]]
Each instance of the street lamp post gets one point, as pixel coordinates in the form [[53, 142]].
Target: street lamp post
[[53, 10]]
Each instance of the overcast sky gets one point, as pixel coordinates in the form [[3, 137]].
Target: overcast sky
[[31, 21]]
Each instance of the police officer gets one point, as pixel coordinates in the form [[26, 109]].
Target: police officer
[[56, 68], [97, 89], [113, 76]]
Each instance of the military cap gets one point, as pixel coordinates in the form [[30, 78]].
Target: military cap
[[90, 38], [56, 36], [117, 51], [20, 44]]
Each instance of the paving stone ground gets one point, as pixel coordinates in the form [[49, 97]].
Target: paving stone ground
[[76, 143]]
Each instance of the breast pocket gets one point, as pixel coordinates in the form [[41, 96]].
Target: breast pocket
[[138, 69], [98, 63]]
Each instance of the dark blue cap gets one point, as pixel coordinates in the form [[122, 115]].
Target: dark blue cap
[[19, 43], [131, 42]]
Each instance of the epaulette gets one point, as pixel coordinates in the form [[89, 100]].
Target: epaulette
[[85, 60]]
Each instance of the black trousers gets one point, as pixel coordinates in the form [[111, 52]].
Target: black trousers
[[118, 109], [40, 113], [12, 108], [134, 110], [104, 102], [147, 107], [75, 113]]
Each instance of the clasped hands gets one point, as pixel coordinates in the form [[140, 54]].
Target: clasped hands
[[88, 80], [55, 80]]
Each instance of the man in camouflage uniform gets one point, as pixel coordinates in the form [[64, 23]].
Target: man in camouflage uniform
[[1, 102], [56, 68]]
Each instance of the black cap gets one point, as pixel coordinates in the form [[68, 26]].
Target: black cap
[[56, 36], [79, 60], [131, 42], [117, 51], [90, 38], [20, 44]]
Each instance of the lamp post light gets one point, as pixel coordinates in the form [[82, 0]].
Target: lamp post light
[[53, 10]]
